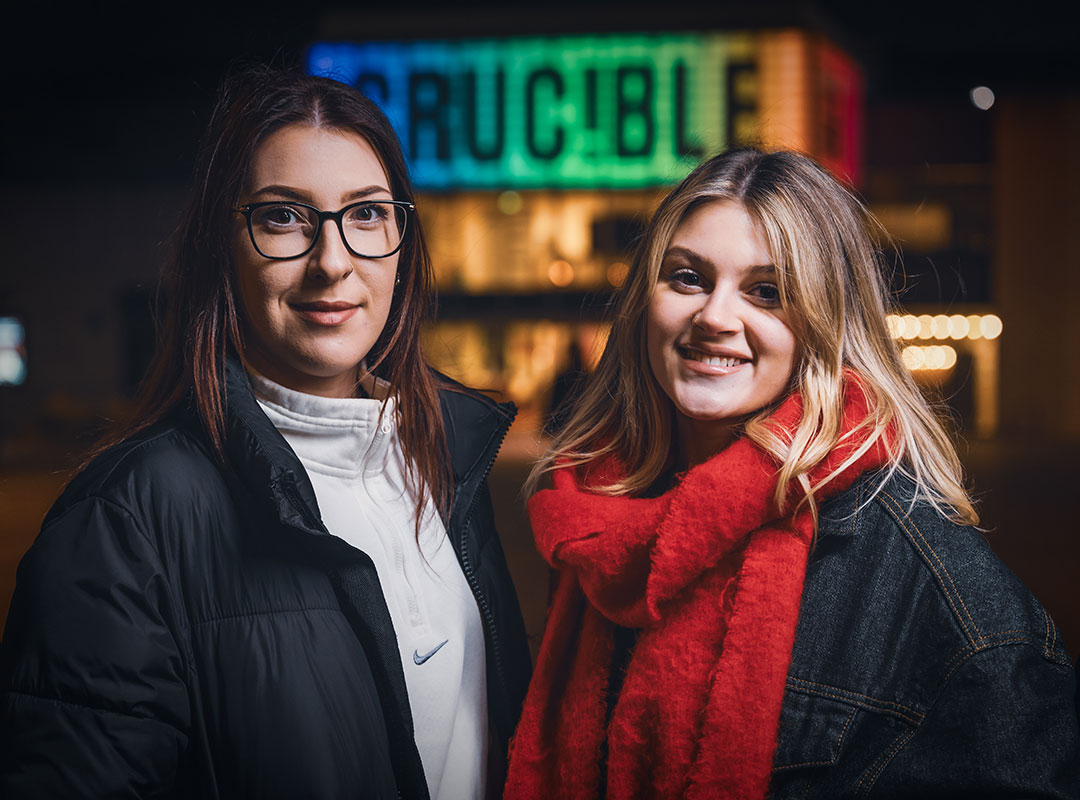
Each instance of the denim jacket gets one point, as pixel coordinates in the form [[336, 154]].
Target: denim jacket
[[922, 666]]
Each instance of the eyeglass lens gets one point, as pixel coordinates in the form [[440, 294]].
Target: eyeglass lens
[[286, 230]]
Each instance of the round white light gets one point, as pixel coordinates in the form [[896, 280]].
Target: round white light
[[958, 326], [926, 326], [940, 326], [974, 326], [911, 326], [950, 357], [913, 357], [982, 97], [990, 326]]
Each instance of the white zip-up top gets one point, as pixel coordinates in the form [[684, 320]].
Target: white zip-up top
[[354, 459]]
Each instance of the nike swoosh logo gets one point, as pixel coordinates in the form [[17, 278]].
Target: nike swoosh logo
[[420, 659]]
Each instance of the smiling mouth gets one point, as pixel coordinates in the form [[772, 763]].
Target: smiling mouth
[[711, 360]]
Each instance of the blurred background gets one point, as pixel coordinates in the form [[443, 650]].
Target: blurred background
[[540, 139]]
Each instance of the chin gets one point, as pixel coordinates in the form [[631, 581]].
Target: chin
[[707, 410], [329, 371], [719, 417]]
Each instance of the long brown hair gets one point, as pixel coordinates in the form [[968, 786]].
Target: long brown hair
[[831, 281], [201, 318]]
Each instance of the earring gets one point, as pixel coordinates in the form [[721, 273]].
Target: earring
[[397, 279]]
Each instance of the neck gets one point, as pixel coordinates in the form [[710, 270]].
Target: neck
[[340, 385], [700, 440]]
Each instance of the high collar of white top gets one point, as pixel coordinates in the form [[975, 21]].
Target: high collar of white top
[[341, 436]]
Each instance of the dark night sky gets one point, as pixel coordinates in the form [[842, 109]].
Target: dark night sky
[[99, 96]]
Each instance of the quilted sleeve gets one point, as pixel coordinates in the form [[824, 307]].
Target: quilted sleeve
[[93, 690]]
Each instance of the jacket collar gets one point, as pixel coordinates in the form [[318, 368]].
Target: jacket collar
[[840, 515], [474, 425], [262, 460], [267, 467], [475, 428]]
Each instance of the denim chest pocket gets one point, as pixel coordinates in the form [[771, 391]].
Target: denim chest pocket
[[833, 747], [812, 731]]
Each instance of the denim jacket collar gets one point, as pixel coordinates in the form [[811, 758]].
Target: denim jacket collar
[[839, 516]]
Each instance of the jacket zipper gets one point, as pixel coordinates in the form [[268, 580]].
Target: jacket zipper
[[467, 568], [293, 494], [466, 563]]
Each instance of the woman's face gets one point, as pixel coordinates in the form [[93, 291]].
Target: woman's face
[[309, 321], [719, 343]]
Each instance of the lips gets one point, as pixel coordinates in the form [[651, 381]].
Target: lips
[[326, 312], [711, 363]]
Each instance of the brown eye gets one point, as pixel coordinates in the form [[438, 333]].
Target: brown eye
[[278, 218], [685, 277], [767, 293], [368, 215]]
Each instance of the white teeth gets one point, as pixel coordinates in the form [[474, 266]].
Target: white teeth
[[713, 361]]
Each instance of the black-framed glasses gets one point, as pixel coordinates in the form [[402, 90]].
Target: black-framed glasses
[[283, 229]]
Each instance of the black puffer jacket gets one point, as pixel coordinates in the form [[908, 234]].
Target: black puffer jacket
[[182, 630]]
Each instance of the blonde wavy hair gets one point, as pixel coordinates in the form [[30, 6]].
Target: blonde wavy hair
[[831, 282]]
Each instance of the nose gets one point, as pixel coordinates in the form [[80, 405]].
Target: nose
[[329, 261], [719, 313]]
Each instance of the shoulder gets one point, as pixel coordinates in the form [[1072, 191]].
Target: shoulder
[[474, 423], [464, 405], [904, 559], [158, 473], [919, 657]]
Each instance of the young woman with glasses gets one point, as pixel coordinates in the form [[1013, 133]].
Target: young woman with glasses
[[282, 578], [768, 582]]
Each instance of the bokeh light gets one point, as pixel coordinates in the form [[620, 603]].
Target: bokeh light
[[509, 203], [561, 273], [982, 97], [959, 327], [928, 357], [616, 273], [942, 326], [990, 326]]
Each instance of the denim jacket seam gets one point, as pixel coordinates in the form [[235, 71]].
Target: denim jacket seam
[[853, 527], [855, 699], [1028, 638], [883, 761], [961, 658], [836, 747], [1051, 641], [903, 520], [912, 717], [858, 507]]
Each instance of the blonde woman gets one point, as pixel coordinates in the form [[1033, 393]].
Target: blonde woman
[[768, 579]]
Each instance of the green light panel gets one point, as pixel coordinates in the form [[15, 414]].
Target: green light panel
[[577, 111]]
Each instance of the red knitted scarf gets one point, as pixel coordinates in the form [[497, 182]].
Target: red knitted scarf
[[712, 575]]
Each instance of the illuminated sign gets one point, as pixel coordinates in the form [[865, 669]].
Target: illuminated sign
[[579, 111], [616, 111]]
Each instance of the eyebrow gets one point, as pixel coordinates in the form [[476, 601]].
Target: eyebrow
[[697, 258], [290, 193]]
